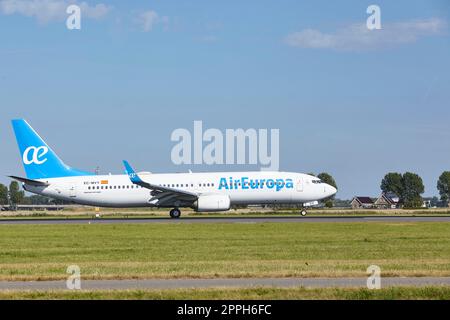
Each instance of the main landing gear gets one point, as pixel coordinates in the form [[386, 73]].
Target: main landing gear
[[303, 212], [175, 213]]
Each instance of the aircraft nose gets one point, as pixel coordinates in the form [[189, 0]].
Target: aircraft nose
[[331, 190]]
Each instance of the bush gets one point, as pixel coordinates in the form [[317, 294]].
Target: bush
[[329, 204]]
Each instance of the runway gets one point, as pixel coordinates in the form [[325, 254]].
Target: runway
[[160, 284], [228, 219]]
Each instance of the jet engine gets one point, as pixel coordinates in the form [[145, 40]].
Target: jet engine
[[212, 202]]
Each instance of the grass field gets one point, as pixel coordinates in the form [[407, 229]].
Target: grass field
[[174, 250], [86, 212], [397, 293]]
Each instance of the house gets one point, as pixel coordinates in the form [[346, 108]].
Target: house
[[387, 200], [362, 203], [427, 203]]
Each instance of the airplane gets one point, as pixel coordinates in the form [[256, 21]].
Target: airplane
[[48, 175]]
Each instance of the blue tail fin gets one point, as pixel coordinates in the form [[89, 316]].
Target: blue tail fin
[[38, 158]]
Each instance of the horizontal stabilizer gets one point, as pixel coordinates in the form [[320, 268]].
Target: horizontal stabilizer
[[30, 182]]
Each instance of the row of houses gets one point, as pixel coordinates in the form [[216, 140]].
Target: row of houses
[[384, 201], [391, 201]]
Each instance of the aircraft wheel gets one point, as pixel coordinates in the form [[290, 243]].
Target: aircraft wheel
[[175, 213], [303, 212]]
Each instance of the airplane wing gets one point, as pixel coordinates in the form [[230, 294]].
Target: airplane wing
[[161, 195], [30, 182]]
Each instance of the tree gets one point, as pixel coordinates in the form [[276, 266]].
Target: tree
[[39, 200], [3, 195], [443, 186], [327, 178], [412, 190], [434, 202], [393, 182], [329, 203], [408, 187], [16, 196]]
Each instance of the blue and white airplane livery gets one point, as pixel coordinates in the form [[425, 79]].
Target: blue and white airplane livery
[[47, 175]]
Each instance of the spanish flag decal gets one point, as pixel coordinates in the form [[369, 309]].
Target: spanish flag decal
[[104, 182]]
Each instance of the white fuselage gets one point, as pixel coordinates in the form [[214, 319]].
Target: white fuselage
[[243, 188]]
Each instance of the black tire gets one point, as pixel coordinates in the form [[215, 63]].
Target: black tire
[[303, 212], [175, 213]]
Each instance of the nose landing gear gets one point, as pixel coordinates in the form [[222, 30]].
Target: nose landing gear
[[175, 213], [303, 212]]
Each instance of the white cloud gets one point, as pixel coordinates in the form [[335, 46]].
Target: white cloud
[[148, 19], [358, 37], [50, 10]]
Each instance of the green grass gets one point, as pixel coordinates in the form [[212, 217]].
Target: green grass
[[87, 213], [178, 250], [394, 293]]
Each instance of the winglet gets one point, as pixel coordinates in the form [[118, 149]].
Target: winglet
[[131, 173]]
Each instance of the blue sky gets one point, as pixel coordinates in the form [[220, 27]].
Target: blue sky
[[347, 102]]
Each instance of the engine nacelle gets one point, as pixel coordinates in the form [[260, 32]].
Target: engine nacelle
[[212, 202]]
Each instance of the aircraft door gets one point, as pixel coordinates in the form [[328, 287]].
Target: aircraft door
[[299, 185]]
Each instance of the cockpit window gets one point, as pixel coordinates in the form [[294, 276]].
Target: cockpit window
[[317, 181]]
